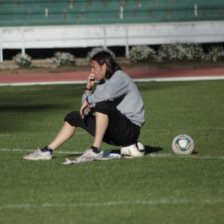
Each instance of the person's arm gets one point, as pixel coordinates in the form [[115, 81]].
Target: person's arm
[[88, 91], [83, 107], [112, 89], [89, 84]]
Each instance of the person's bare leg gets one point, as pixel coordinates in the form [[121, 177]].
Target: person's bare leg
[[64, 134], [102, 121]]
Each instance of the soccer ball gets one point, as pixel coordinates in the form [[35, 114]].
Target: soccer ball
[[135, 150], [183, 145]]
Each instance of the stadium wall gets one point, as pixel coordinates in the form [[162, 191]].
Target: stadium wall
[[74, 23]]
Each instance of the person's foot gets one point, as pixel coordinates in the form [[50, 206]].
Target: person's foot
[[135, 150], [38, 155], [89, 155]]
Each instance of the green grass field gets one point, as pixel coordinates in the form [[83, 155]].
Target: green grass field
[[159, 188]]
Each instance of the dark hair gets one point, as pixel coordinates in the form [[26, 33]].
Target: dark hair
[[104, 57]]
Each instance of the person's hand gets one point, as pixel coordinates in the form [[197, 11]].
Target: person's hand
[[90, 81], [83, 107]]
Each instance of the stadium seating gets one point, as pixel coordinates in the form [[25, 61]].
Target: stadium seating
[[72, 12]]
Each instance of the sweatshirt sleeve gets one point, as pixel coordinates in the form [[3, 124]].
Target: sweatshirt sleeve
[[113, 88], [84, 96]]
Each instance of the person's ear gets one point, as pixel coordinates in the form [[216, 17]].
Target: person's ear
[[104, 67]]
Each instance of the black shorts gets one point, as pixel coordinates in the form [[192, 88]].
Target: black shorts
[[121, 131]]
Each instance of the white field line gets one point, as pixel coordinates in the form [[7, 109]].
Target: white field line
[[42, 83], [171, 79], [37, 134], [31, 150], [85, 133], [151, 155], [114, 203], [193, 78], [195, 128], [167, 155]]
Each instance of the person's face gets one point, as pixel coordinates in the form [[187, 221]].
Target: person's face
[[98, 71]]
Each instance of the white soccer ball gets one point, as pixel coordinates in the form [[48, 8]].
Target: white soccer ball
[[182, 145]]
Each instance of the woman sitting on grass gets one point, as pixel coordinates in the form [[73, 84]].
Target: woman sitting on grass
[[118, 108]]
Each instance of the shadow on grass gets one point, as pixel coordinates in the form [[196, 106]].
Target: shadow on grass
[[14, 118], [29, 108], [152, 149]]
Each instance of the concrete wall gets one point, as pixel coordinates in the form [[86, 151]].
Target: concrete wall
[[109, 35]]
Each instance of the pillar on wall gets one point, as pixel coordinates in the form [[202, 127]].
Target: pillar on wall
[[1, 52]]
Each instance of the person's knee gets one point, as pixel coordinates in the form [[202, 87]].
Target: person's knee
[[72, 118]]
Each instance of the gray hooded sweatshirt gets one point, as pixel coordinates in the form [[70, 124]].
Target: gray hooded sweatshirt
[[120, 84]]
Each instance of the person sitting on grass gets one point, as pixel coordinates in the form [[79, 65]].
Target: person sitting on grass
[[113, 112]]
